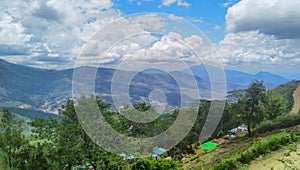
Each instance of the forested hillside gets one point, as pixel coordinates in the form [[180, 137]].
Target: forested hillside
[[63, 144]]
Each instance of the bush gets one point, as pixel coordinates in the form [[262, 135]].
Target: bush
[[274, 143], [284, 140], [151, 164], [259, 149], [246, 157], [294, 138], [226, 164]]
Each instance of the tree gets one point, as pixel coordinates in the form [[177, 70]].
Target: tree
[[74, 146], [273, 105], [11, 138], [228, 121], [248, 106], [64, 144]]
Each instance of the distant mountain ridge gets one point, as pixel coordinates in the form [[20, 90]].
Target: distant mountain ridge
[[46, 90], [240, 78]]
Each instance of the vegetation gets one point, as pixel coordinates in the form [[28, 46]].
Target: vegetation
[[273, 105], [11, 138], [248, 106], [150, 163], [287, 90], [62, 143], [258, 149]]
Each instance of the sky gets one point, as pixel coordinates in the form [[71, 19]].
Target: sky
[[245, 35]]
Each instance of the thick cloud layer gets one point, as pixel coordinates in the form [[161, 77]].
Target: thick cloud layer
[[272, 17], [50, 33]]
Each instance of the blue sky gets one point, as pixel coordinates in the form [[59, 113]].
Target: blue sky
[[207, 15], [52, 33]]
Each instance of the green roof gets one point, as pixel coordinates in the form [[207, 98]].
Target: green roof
[[208, 146]]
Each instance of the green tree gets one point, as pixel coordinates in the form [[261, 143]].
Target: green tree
[[248, 106], [273, 105], [228, 121], [74, 145], [64, 144], [11, 137], [151, 164]]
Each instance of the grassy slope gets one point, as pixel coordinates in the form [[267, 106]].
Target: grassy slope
[[238, 145], [287, 157], [287, 90], [234, 147]]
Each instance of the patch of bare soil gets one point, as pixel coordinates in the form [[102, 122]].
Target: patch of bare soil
[[296, 96]]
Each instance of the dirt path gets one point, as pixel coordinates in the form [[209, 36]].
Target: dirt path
[[296, 96], [284, 159]]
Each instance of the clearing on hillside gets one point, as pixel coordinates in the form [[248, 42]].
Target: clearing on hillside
[[296, 96]]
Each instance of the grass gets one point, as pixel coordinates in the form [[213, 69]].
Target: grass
[[238, 150], [275, 159]]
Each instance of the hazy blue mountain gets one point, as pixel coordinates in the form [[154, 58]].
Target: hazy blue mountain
[[239, 78], [271, 80], [30, 89], [45, 90]]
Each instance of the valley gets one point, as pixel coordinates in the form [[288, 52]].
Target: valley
[[46, 90]]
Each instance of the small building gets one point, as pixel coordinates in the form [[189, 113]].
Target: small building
[[159, 151]]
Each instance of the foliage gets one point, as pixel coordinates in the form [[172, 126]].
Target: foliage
[[248, 106], [227, 164], [287, 91], [273, 105], [62, 143], [151, 164], [283, 121], [184, 146], [11, 137], [258, 149]]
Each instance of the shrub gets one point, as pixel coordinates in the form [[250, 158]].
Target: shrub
[[259, 149], [149, 163], [293, 137], [274, 143], [226, 164], [246, 157]]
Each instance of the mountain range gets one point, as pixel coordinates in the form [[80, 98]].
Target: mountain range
[[46, 90], [239, 78]]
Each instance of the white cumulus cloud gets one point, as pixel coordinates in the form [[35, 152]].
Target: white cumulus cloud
[[253, 47], [50, 32], [276, 17], [12, 32]]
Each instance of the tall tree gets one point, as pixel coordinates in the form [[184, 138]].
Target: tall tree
[[11, 137], [65, 145], [273, 105], [74, 145], [249, 105]]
